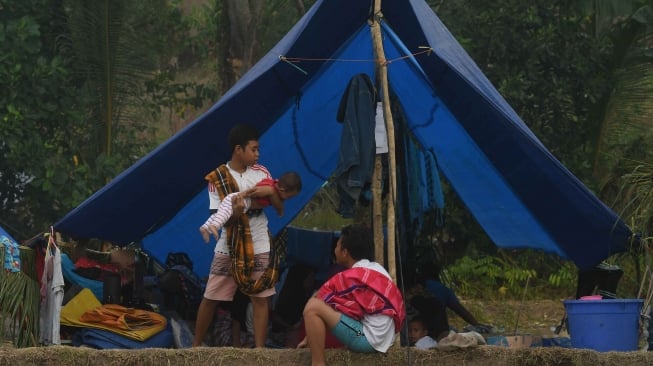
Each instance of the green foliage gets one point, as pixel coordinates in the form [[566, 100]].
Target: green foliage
[[633, 264], [564, 276], [320, 219], [166, 95], [543, 59], [604, 12], [506, 274], [84, 85], [36, 108], [187, 40], [320, 213], [19, 301], [200, 28], [484, 271], [635, 198], [624, 120], [278, 17], [113, 61]]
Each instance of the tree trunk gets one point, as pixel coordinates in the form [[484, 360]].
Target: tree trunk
[[242, 18], [301, 10]]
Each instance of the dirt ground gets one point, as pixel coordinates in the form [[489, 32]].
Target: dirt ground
[[536, 317]]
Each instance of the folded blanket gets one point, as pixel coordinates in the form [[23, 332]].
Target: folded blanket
[[103, 339], [139, 328], [122, 318]]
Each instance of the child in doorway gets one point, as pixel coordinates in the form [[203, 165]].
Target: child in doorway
[[266, 192], [418, 334]]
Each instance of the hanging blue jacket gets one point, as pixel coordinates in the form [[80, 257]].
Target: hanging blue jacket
[[357, 112]]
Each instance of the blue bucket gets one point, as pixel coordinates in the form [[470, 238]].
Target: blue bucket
[[604, 325]]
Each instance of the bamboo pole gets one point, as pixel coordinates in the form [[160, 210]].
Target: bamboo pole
[[382, 72], [377, 210]]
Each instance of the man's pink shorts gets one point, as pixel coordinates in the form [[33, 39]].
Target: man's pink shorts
[[221, 285]]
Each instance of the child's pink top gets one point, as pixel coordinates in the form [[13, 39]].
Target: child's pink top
[[266, 182]]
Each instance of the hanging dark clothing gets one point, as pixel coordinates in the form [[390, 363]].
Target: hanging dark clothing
[[356, 112]]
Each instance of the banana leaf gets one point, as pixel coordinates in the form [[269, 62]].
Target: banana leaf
[[19, 302]]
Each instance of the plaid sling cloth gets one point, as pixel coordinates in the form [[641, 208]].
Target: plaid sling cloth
[[239, 240]]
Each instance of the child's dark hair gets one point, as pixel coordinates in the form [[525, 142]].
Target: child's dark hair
[[290, 181], [430, 272], [241, 135], [358, 241], [418, 319]]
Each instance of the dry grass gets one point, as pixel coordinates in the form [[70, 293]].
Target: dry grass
[[536, 316], [479, 356]]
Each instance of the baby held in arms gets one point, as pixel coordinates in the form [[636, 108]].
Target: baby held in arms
[[266, 192]]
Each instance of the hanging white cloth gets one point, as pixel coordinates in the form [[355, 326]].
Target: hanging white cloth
[[380, 133], [52, 290]]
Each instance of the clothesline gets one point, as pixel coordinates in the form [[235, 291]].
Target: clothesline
[[387, 62], [293, 60]]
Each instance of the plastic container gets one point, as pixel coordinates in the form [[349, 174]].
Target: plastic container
[[604, 325], [591, 297]]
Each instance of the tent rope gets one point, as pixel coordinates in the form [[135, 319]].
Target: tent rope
[[292, 60], [295, 132]]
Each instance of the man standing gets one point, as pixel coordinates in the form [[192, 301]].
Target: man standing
[[241, 258]]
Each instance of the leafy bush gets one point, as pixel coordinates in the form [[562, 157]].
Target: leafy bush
[[506, 275]]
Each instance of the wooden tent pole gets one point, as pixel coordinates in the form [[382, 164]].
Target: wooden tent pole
[[377, 203], [377, 178], [382, 73], [377, 210]]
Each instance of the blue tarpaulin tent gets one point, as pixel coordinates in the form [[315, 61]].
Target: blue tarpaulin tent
[[521, 195]]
